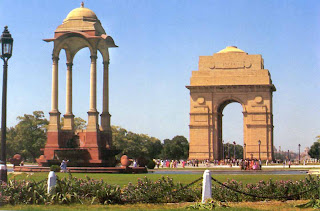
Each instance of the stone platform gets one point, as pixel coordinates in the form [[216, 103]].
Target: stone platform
[[134, 170]]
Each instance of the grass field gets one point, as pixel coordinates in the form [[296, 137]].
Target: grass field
[[243, 206], [124, 179]]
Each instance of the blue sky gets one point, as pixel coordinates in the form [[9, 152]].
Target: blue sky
[[159, 45]]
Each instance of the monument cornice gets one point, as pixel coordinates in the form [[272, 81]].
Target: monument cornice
[[239, 88]]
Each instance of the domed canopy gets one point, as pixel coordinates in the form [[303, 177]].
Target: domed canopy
[[81, 13], [81, 29], [231, 49], [81, 20]]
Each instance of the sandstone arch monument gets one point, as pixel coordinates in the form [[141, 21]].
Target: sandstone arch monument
[[92, 146], [231, 75]]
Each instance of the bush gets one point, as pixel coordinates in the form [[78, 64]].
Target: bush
[[279, 190], [72, 190], [151, 164], [55, 168], [160, 191], [142, 161]]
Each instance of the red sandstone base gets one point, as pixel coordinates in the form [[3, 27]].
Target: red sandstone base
[[85, 149], [136, 170]]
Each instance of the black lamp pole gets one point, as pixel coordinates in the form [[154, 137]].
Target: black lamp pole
[[6, 52], [244, 151], [223, 150], [234, 150], [259, 142], [299, 152]]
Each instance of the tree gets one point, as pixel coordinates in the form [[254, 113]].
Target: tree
[[239, 151], [175, 149], [135, 145], [79, 123], [28, 136], [314, 151]]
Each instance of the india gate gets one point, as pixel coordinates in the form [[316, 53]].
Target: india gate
[[92, 146], [231, 75]]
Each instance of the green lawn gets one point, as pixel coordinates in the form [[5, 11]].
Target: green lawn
[[124, 179], [243, 206]]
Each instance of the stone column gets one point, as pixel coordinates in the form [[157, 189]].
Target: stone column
[[92, 113], [105, 115], [54, 91], [93, 84], [54, 124], [69, 117]]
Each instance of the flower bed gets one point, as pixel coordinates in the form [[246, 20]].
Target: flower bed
[[88, 191]]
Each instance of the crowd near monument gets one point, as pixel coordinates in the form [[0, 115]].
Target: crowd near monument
[[231, 75]]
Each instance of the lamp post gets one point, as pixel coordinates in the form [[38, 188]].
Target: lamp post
[[299, 145], [288, 155], [6, 52], [318, 152], [228, 150], [234, 150], [244, 151], [259, 143], [223, 150]]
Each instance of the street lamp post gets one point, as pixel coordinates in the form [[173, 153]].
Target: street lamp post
[[228, 151], [288, 155], [223, 150], [299, 145], [318, 152], [244, 151], [259, 143], [234, 150], [6, 52]]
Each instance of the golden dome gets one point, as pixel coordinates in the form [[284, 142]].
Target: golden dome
[[81, 13], [231, 49]]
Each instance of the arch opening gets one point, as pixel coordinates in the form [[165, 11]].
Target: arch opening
[[231, 130]]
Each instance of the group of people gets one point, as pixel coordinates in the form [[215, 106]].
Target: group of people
[[169, 163], [252, 164]]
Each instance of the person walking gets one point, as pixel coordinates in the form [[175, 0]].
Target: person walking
[[63, 166]]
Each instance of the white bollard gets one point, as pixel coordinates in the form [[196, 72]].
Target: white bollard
[[52, 180], [206, 186]]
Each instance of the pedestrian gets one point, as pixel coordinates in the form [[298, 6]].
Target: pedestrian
[[260, 164], [63, 166]]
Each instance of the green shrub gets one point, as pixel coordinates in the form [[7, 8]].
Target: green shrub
[[160, 191], [55, 168], [72, 190], [279, 190], [151, 164]]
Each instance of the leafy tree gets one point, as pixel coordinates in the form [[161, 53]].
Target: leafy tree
[[12, 145], [135, 145], [79, 123], [229, 151], [314, 151], [28, 136], [175, 149]]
